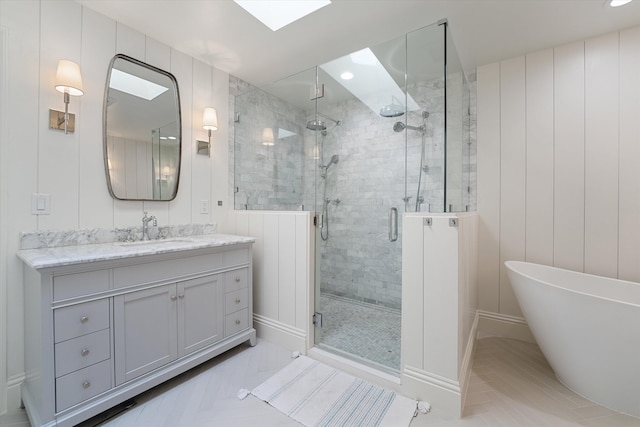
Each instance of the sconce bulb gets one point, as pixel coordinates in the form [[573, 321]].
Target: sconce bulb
[[210, 119], [69, 78], [267, 137]]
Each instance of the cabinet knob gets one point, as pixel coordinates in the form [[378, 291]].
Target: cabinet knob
[[86, 384], [237, 321], [237, 300], [237, 278], [84, 319], [181, 296], [84, 352], [173, 298]]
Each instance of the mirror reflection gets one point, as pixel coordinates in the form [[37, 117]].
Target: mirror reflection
[[142, 133]]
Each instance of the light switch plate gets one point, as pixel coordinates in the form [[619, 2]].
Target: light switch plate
[[40, 204]]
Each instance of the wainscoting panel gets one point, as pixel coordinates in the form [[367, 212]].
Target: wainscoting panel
[[282, 272], [539, 157], [439, 304], [568, 202], [512, 174], [601, 156], [98, 48], [488, 107], [628, 265]]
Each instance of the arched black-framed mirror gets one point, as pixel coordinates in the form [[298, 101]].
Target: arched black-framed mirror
[[142, 131]]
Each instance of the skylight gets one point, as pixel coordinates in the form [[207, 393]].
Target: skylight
[[276, 14], [134, 85], [617, 3], [368, 73]]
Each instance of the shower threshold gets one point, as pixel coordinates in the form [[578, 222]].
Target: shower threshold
[[355, 365]]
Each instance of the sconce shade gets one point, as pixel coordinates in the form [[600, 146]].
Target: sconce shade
[[267, 137], [69, 78], [210, 119]]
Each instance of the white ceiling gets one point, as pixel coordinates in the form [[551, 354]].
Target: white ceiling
[[224, 35]]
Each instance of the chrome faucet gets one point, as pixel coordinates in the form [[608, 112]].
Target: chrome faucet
[[145, 225]]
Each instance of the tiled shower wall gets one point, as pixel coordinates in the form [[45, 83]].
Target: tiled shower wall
[[358, 259], [268, 177]]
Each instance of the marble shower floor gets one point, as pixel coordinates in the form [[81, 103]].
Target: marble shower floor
[[367, 331]]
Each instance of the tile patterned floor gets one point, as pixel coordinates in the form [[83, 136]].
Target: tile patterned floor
[[511, 386], [364, 330]]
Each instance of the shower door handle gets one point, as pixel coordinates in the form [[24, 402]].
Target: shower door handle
[[393, 224]]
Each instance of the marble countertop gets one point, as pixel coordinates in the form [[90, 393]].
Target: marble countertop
[[79, 254]]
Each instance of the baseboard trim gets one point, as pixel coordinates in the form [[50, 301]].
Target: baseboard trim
[[280, 333], [440, 392], [14, 391], [467, 361], [503, 325]]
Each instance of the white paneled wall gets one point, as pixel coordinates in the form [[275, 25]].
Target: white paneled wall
[[439, 303], [558, 156], [629, 155], [282, 269], [568, 156], [36, 34]]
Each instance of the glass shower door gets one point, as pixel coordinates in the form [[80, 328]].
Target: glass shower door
[[360, 190]]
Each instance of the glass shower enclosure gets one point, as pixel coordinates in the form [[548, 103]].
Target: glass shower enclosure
[[360, 140]]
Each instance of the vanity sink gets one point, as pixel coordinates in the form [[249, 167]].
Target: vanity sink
[[154, 242]]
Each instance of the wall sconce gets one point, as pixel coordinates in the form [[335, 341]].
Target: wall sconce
[[69, 82], [267, 137], [209, 122]]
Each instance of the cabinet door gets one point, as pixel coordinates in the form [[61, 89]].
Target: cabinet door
[[145, 331], [200, 313]]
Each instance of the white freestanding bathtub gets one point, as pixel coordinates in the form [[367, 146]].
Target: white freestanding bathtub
[[588, 328]]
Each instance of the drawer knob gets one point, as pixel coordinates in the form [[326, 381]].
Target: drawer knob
[[237, 300], [173, 298], [84, 352], [86, 384], [84, 319], [181, 296], [237, 279], [237, 321]]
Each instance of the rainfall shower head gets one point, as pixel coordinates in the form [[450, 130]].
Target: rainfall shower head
[[320, 125], [392, 110], [316, 125]]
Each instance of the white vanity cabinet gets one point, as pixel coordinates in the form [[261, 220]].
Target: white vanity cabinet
[[98, 333]]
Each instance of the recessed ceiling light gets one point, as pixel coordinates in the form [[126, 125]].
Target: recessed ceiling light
[[134, 85], [276, 14], [616, 3], [347, 75]]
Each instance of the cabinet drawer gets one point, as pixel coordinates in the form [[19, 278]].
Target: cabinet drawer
[[82, 385], [80, 319], [78, 353], [237, 300], [74, 285], [166, 270], [236, 322], [236, 279], [237, 257]]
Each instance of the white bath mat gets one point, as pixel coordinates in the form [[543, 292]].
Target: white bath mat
[[317, 395]]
